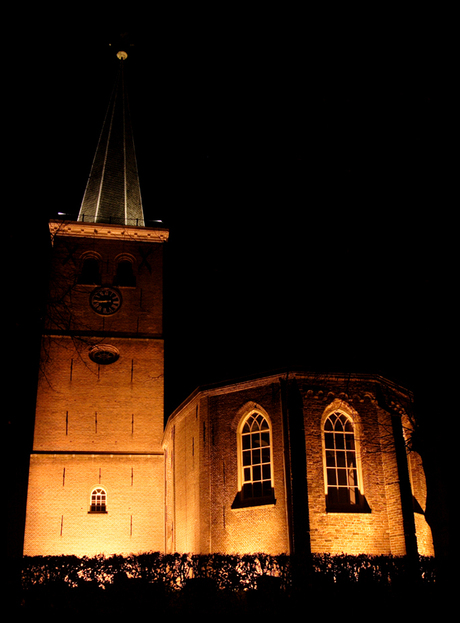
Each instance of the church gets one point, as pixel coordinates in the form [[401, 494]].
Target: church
[[278, 463]]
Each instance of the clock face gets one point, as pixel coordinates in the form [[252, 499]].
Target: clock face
[[105, 301]]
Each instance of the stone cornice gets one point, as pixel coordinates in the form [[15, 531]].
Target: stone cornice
[[79, 229]]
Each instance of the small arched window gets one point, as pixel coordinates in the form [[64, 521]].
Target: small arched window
[[125, 275], [90, 274], [255, 460], [98, 500], [341, 463]]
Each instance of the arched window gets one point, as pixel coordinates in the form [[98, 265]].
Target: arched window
[[90, 274], [255, 460], [341, 463], [124, 275], [98, 500]]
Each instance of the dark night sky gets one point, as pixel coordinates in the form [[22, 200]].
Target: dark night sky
[[294, 166]]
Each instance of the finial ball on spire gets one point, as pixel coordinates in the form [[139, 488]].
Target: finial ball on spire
[[122, 55]]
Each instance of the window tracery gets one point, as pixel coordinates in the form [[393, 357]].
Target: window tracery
[[255, 460], [98, 500], [343, 487]]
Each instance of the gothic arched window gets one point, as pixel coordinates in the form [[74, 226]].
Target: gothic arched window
[[255, 460], [98, 500], [341, 463]]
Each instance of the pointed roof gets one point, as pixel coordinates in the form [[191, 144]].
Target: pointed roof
[[113, 193]]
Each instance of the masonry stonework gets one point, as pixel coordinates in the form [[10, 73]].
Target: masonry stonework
[[59, 518], [99, 425], [202, 473]]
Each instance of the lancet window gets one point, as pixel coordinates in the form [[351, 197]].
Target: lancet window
[[341, 464], [255, 459]]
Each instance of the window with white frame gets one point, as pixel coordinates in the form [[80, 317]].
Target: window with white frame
[[98, 500], [341, 463], [255, 459]]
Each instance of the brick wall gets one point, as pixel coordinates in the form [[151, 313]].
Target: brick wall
[[183, 484], [350, 533], [251, 529], [99, 424], [86, 407], [60, 485], [102, 425], [206, 500], [141, 312], [423, 530]]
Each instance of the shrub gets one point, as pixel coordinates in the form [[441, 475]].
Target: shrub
[[227, 572]]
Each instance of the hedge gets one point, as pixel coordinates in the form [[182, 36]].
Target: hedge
[[229, 572]]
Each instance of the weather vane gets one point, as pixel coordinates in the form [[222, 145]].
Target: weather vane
[[122, 45]]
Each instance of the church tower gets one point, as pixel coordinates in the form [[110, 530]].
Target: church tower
[[96, 479]]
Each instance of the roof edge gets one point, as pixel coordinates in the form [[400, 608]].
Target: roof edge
[[260, 379], [81, 229]]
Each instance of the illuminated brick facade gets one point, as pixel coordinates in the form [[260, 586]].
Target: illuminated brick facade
[[99, 412], [204, 512], [106, 478]]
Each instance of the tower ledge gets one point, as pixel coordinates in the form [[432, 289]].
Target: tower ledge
[[80, 229]]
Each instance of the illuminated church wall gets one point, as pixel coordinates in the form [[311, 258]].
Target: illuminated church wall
[[106, 478], [374, 526], [186, 492], [205, 509], [99, 423], [59, 519], [418, 484], [202, 512]]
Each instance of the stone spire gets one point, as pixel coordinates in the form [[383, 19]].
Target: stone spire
[[113, 193]]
